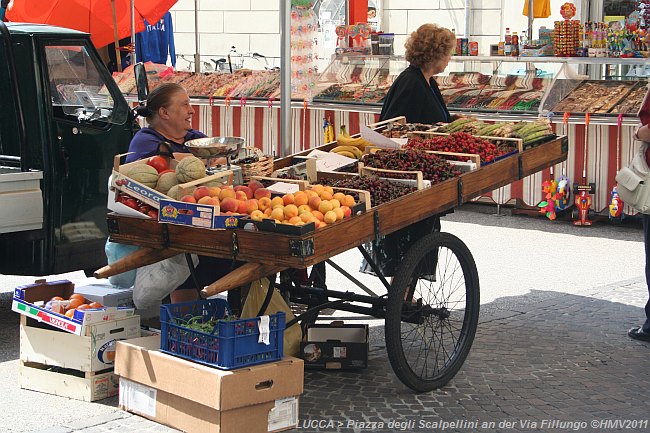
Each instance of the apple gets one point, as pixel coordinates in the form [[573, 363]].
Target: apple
[[153, 214], [188, 199], [201, 191], [132, 203], [262, 192], [255, 185], [245, 189]]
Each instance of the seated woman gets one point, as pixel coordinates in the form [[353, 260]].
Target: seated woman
[[169, 115]]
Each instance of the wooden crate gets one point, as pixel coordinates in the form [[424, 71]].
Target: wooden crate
[[92, 352], [544, 155], [75, 384]]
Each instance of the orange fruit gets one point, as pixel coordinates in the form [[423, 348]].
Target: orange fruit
[[95, 305], [339, 196], [69, 313], [300, 198], [349, 201], [290, 211], [83, 307], [78, 296], [74, 303]]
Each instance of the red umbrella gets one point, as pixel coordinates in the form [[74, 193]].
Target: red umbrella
[[90, 16]]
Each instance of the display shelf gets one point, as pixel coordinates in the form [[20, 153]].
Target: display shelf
[[570, 60]]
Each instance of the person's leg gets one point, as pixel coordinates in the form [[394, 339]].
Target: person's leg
[[643, 332], [646, 240]]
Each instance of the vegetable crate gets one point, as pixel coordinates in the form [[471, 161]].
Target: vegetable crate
[[228, 345]]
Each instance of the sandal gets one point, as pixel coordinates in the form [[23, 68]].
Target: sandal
[[639, 334]]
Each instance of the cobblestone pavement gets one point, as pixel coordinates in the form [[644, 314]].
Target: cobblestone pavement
[[546, 361]]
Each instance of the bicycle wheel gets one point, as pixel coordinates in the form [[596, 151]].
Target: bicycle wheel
[[432, 312]]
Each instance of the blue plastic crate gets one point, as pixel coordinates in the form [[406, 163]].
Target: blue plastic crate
[[231, 344]]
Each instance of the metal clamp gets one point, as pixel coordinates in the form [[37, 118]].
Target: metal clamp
[[235, 245]]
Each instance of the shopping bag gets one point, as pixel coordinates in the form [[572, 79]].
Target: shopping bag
[[633, 182], [115, 252], [254, 301], [154, 282]]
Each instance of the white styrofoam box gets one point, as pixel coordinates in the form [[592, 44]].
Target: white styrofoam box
[[251, 22], [21, 200], [107, 294]]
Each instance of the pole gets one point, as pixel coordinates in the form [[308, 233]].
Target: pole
[[118, 57], [133, 57], [531, 16], [285, 78], [197, 54], [468, 18]]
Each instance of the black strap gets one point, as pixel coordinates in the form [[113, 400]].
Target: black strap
[[168, 148]]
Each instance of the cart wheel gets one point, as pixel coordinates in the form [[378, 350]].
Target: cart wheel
[[431, 326]]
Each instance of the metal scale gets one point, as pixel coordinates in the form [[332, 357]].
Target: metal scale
[[211, 149]]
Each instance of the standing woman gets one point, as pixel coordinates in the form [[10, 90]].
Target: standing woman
[[415, 94], [169, 114]]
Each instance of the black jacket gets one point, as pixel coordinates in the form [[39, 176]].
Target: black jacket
[[411, 96]]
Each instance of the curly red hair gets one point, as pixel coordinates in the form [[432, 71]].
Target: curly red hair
[[429, 45]]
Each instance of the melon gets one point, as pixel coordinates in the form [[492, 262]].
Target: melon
[[166, 181], [144, 174], [190, 168]]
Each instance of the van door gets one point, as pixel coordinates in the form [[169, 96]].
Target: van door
[[90, 122]]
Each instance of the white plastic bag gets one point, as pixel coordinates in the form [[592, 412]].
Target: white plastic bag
[[154, 282], [114, 252]]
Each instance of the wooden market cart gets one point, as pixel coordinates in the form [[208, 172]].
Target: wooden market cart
[[431, 307]]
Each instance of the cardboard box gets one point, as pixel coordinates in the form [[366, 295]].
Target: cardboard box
[[93, 351], [335, 346], [107, 294], [196, 398], [85, 386], [28, 299]]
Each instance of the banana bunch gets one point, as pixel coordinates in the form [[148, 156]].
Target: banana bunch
[[348, 146]]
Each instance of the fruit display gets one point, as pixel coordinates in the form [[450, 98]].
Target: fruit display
[[67, 307], [532, 133], [460, 142], [399, 130], [350, 147], [381, 190], [433, 167], [137, 205], [598, 97]]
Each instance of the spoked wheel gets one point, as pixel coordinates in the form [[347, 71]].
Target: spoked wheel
[[432, 313]]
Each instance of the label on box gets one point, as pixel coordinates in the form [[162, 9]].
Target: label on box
[[284, 415], [148, 195], [196, 215], [340, 352], [137, 397]]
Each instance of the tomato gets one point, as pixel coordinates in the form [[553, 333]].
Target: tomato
[[158, 162], [132, 203], [153, 214], [169, 170]]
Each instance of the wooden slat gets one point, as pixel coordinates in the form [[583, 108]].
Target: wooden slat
[[489, 177], [544, 155]]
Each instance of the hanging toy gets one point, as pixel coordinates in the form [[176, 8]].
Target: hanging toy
[[328, 130], [615, 206], [547, 206], [563, 194]]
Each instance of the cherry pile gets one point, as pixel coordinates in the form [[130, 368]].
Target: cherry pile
[[432, 166], [381, 190], [460, 142]]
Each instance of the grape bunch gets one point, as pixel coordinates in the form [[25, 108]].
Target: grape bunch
[[460, 142], [432, 166], [381, 190]]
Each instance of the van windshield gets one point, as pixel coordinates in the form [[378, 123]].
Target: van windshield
[[77, 88]]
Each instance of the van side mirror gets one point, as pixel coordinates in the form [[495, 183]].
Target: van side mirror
[[141, 82]]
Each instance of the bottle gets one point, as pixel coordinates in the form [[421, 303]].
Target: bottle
[[507, 48], [523, 41], [514, 51]]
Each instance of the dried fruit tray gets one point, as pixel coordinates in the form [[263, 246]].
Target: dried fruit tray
[[231, 343]]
